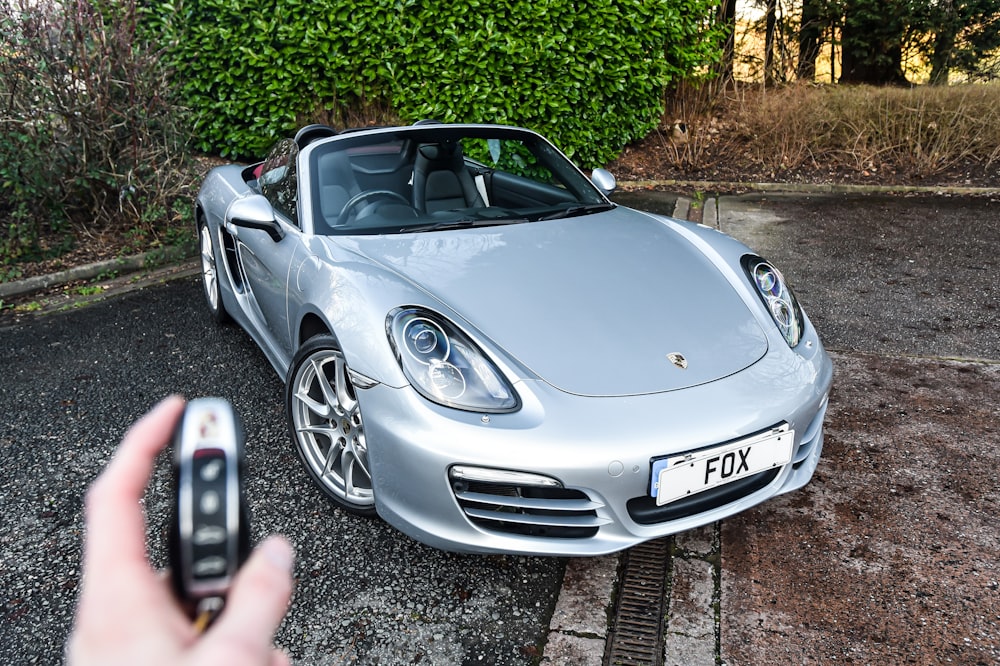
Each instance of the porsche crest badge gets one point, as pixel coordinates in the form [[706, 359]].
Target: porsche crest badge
[[678, 359]]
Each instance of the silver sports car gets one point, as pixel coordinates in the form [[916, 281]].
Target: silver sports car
[[483, 350]]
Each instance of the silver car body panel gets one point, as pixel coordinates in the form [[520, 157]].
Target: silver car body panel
[[553, 305], [601, 446], [555, 295]]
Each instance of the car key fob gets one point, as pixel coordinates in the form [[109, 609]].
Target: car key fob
[[210, 528]]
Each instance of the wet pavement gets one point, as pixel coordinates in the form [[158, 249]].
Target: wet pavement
[[888, 556]]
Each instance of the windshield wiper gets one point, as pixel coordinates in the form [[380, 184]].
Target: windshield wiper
[[573, 211], [462, 224]]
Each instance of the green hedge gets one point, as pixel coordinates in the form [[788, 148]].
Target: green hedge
[[589, 75]]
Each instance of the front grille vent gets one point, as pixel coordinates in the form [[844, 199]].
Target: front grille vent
[[528, 510]]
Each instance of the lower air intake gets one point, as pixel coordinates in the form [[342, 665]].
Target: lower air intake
[[526, 509]]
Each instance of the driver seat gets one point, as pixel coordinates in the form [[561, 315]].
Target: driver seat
[[441, 181]]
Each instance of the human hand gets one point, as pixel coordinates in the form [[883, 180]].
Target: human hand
[[127, 613]]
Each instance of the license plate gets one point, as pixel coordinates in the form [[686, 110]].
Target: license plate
[[683, 475]]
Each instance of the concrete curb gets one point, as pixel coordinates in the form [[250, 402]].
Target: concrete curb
[[119, 266], [805, 188]]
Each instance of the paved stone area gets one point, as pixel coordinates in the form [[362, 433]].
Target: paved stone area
[[693, 607], [579, 626]]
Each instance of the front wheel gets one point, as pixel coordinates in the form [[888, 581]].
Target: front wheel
[[324, 420]]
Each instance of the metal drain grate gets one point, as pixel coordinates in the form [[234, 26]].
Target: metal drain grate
[[637, 630]]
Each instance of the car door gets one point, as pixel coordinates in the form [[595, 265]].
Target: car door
[[266, 261]]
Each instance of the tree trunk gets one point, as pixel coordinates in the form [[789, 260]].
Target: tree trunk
[[872, 38], [770, 23], [949, 24], [944, 42], [727, 19], [810, 34]]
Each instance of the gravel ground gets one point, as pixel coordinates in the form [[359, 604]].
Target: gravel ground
[[888, 556]]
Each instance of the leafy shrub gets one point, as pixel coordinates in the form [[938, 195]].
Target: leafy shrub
[[588, 75], [91, 139]]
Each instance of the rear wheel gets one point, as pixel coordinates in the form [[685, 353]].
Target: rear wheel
[[210, 276], [325, 422]]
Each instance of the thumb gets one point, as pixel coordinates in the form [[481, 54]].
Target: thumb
[[257, 600]]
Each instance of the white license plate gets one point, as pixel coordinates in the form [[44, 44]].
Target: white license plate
[[687, 474]]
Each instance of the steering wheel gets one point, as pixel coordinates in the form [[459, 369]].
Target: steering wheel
[[361, 196]]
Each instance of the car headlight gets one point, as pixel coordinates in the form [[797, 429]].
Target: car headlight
[[777, 297], [444, 365]]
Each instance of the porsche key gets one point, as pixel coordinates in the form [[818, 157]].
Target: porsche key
[[210, 528]]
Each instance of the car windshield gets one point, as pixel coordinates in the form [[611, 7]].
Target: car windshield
[[434, 177]]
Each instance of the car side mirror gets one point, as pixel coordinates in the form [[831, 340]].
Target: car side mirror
[[604, 180], [254, 212]]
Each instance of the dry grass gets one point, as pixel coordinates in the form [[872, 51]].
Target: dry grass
[[823, 133], [917, 131]]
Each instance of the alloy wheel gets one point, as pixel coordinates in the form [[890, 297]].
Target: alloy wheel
[[326, 423]]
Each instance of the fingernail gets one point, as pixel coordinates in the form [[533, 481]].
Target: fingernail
[[279, 552]]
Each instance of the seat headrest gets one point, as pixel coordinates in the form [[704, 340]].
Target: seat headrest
[[440, 152], [310, 133]]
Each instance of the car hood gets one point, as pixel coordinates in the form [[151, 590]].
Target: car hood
[[595, 305]]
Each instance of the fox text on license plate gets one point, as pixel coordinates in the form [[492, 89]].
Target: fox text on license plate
[[678, 476]]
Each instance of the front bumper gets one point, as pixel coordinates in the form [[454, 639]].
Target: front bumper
[[599, 449]]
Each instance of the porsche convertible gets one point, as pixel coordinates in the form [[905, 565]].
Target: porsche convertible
[[482, 349]]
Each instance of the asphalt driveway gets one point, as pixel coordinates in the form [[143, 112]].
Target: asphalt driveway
[[71, 385]]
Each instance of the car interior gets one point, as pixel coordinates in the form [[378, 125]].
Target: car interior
[[406, 181]]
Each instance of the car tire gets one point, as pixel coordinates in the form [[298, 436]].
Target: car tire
[[210, 276], [324, 421]]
